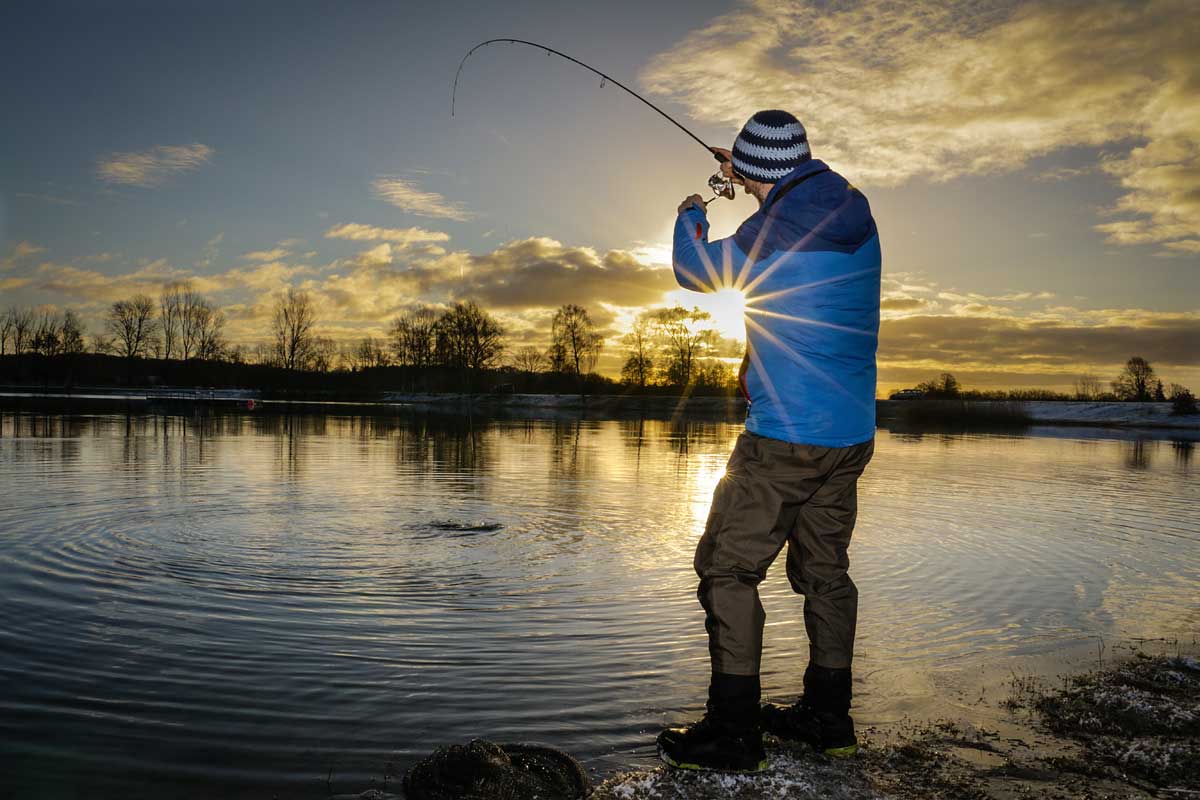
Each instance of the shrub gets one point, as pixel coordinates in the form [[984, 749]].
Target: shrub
[[1182, 400]]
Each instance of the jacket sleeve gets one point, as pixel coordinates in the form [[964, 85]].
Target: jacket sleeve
[[701, 265]]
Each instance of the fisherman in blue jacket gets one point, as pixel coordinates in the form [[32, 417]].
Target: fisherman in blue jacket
[[808, 263]]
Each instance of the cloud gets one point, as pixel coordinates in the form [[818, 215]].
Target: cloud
[[265, 255], [11, 284], [901, 303], [95, 288], [543, 272], [22, 249], [152, 167], [407, 196], [525, 277], [1065, 339], [211, 249], [941, 89], [1058, 174], [1185, 246], [368, 233]]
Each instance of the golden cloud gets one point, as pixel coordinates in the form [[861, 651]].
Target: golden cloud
[[407, 196], [524, 277], [1068, 341], [901, 303], [151, 167], [266, 255], [11, 284], [369, 233], [942, 89], [97, 288], [20, 251]]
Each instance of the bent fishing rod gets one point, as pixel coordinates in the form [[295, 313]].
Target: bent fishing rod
[[719, 183]]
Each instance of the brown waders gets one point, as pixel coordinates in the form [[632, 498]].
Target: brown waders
[[775, 493]]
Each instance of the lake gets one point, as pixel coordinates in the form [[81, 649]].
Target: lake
[[245, 605]]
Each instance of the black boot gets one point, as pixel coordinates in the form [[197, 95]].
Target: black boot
[[728, 738], [821, 717]]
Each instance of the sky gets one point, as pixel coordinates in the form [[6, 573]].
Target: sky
[[1034, 168]]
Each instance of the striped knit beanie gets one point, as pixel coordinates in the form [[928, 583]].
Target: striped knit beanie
[[771, 144]]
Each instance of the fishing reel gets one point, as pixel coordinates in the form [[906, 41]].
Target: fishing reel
[[721, 186]]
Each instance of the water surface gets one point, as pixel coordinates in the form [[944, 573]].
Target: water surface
[[237, 605]]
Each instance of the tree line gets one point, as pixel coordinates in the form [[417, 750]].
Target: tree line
[[1136, 382], [667, 347]]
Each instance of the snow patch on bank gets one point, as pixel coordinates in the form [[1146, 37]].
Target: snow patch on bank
[[1137, 415]]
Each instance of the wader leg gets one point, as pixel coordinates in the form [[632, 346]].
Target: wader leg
[[818, 562], [754, 511]]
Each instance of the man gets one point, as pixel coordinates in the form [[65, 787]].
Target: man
[[809, 263]]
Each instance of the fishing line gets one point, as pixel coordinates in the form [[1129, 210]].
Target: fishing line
[[718, 183]]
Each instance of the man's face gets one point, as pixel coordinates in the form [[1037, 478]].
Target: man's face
[[756, 189]]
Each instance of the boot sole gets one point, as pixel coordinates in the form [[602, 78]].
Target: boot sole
[[666, 759]]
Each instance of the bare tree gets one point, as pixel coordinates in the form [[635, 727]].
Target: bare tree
[[132, 326], [264, 354], [1087, 387], [71, 334], [1136, 381], [368, 352], [170, 304], [529, 359], [686, 337], [323, 355], [292, 330], [469, 338], [46, 338], [639, 358], [212, 338], [6, 330], [574, 340], [412, 337], [235, 354], [22, 328], [201, 327]]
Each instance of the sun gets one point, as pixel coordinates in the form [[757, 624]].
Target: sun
[[729, 313], [727, 307]]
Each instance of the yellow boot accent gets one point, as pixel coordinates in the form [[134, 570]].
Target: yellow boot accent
[[842, 752]]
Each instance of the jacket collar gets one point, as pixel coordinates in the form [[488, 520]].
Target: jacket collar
[[807, 168]]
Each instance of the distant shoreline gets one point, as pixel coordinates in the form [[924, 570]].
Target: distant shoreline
[[1031, 412]]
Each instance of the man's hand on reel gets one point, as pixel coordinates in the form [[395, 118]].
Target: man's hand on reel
[[693, 201]]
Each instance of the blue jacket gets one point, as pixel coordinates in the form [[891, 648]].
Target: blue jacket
[[809, 264]]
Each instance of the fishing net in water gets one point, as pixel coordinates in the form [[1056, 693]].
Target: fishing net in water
[[482, 770]]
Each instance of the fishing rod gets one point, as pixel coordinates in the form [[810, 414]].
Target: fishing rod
[[719, 183]]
